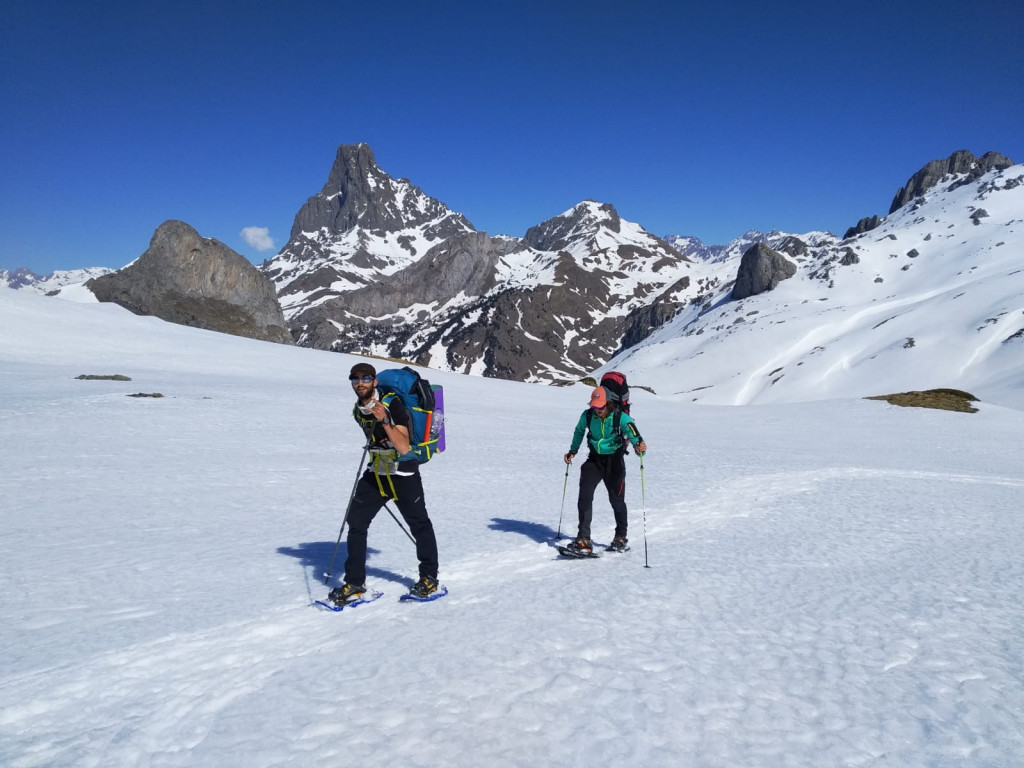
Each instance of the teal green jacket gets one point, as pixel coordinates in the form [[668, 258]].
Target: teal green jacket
[[603, 438]]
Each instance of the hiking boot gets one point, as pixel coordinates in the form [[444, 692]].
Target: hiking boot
[[425, 587], [346, 593], [618, 544], [580, 546]]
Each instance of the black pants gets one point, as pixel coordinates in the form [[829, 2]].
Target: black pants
[[367, 502], [611, 470]]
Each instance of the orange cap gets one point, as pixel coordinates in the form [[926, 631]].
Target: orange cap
[[598, 398]]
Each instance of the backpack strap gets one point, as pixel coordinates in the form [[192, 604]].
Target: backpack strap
[[616, 427], [617, 424]]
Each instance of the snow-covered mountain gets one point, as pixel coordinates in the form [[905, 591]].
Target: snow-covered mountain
[[24, 279], [361, 227], [375, 266], [550, 305], [932, 297]]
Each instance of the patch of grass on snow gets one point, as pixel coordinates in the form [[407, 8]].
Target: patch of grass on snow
[[943, 399]]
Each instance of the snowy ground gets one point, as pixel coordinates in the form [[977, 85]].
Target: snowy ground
[[833, 583]]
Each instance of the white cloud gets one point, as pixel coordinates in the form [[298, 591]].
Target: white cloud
[[258, 237]]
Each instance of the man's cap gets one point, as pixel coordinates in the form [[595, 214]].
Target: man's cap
[[363, 369], [599, 398]]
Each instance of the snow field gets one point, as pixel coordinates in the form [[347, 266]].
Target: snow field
[[831, 583]]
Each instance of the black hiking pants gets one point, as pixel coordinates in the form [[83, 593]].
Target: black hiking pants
[[611, 470], [368, 501]]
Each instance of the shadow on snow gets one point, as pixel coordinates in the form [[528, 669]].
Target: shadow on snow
[[536, 531], [315, 556]]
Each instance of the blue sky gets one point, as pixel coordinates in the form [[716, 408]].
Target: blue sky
[[701, 119]]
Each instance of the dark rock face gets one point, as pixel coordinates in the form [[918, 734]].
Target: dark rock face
[[849, 258], [761, 269], [643, 321], [191, 280], [864, 225], [934, 173]]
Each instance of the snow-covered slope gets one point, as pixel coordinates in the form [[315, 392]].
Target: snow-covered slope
[[832, 583], [934, 297]]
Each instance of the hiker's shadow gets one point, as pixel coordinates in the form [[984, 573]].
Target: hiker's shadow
[[315, 556], [537, 531]]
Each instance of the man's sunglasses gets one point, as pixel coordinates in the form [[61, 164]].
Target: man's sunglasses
[[364, 379]]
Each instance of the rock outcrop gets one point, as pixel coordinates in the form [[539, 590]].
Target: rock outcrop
[[864, 225], [961, 163], [192, 280], [761, 269]]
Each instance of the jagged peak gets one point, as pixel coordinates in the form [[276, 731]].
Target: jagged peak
[[359, 194], [961, 163]]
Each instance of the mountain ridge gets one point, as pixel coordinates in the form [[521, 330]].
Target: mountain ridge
[[584, 290]]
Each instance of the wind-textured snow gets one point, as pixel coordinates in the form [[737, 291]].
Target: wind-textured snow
[[832, 583]]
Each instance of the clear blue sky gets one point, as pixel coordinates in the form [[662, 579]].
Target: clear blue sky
[[704, 119]]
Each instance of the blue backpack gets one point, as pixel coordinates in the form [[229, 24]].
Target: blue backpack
[[425, 404]]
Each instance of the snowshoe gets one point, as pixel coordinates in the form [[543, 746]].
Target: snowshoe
[[424, 591], [578, 549], [356, 596]]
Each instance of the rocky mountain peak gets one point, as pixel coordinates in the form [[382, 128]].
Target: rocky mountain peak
[[960, 163], [580, 222], [363, 225], [359, 194]]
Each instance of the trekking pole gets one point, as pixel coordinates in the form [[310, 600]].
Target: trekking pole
[[330, 568], [562, 509], [399, 523], [643, 506]]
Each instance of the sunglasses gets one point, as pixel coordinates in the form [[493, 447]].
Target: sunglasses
[[363, 379]]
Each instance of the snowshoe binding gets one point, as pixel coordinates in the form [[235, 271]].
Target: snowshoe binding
[[578, 549], [619, 544], [347, 596], [425, 590]]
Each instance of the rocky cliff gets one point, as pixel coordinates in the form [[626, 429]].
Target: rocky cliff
[[192, 280]]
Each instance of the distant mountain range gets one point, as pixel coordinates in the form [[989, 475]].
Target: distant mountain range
[[375, 266], [24, 279]]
